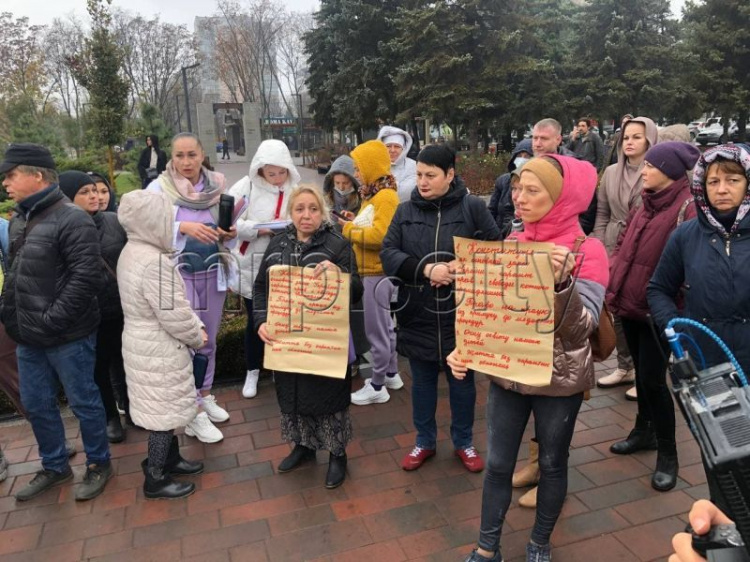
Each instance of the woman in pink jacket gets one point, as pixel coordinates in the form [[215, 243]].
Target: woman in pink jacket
[[553, 191]]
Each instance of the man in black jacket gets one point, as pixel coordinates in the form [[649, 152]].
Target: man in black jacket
[[49, 308], [586, 144]]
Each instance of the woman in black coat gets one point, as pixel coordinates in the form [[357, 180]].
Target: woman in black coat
[[153, 161], [314, 409], [418, 251], [108, 369]]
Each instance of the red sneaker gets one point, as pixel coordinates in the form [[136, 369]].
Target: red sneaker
[[416, 458], [471, 459]]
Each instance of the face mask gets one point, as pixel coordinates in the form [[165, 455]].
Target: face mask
[[346, 191], [520, 161]]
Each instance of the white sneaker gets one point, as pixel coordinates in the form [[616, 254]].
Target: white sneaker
[[394, 382], [632, 395], [216, 413], [251, 384], [202, 429], [368, 395], [617, 378]]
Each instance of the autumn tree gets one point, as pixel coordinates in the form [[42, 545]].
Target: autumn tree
[[153, 53]]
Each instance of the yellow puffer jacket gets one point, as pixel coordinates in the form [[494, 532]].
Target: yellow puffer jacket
[[367, 231]]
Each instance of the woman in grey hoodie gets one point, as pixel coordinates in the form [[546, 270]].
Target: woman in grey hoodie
[[341, 187]]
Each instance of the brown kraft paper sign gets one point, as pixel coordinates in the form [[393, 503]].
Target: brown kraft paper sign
[[505, 309], [309, 319]]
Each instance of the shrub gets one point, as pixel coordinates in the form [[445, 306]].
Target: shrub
[[230, 350], [6, 208], [125, 182], [479, 172]]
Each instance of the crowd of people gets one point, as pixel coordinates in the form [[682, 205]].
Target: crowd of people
[[668, 233]]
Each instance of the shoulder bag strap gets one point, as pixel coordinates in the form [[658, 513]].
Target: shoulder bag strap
[[683, 210]]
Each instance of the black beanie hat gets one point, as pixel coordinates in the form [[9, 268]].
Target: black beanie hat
[[71, 182]]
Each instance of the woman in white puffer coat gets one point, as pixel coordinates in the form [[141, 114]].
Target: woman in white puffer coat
[[266, 187], [160, 328]]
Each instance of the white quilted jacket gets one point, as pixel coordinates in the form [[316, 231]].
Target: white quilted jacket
[[160, 326], [262, 200]]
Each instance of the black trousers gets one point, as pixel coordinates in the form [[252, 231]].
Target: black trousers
[[654, 399], [109, 370], [554, 421]]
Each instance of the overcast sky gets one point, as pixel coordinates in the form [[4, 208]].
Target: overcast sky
[[173, 11]]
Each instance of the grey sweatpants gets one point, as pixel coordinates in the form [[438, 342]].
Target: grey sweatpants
[[379, 326]]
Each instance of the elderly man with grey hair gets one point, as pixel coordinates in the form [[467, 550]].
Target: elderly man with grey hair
[[48, 308]]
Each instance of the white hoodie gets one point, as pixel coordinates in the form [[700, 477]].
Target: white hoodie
[[404, 169], [263, 200]]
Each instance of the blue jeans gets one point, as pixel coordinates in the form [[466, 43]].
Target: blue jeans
[[424, 397], [41, 372]]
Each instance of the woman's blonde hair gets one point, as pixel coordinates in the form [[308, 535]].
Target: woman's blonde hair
[[316, 192]]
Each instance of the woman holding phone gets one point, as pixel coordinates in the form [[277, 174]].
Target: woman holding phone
[[203, 261]]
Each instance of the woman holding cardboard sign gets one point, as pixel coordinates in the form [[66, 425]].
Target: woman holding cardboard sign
[[553, 191], [314, 409]]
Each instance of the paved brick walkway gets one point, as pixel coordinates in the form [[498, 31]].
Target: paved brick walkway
[[244, 511]]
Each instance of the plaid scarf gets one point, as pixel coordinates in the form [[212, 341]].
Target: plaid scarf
[[385, 182]]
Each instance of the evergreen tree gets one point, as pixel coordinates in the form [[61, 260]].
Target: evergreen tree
[[99, 71], [350, 77], [632, 66], [719, 36]]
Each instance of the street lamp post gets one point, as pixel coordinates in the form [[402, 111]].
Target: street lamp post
[[300, 126], [187, 95]]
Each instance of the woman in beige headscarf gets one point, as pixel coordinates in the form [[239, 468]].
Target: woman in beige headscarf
[[619, 192]]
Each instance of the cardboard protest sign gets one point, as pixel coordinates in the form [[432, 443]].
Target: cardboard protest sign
[[505, 315], [309, 318]]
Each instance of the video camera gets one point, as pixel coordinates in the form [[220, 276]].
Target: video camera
[[716, 404]]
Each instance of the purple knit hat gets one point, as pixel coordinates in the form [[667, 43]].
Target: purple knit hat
[[673, 158]]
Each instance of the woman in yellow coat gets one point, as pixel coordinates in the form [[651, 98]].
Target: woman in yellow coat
[[366, 231]]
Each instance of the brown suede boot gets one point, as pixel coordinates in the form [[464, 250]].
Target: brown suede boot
[[529, 498], [529, 474]]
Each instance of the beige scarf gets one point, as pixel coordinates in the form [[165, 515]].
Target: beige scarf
[[182, 193]]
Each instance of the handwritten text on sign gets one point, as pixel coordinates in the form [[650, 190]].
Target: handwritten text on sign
[[309, 318], [505, 317]]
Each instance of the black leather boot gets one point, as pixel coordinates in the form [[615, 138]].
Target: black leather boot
[[641, 438], [298, 456], [336, 471], [665, 475], [160, 486], [115, 432], [175, 464]]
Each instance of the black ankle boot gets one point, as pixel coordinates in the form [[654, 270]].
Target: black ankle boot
[[175, 464], [642, 438], [160, 486], [115, 432], [665, 475], [299, 455], [336, 471]]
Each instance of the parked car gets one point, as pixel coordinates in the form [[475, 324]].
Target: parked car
[[713, 133], [694, 127]]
